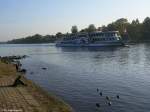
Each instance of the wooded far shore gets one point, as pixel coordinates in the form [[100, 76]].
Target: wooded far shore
[[136, 31]]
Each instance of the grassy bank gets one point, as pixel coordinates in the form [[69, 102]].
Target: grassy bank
[[47, 101], [6, 69]]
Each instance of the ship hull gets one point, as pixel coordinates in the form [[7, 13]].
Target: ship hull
[[91, 45]]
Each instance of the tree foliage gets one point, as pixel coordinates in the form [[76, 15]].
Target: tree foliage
[[120, 25], [136, 31], [74, 29], [34, 39], [146, 29], [91, 28]]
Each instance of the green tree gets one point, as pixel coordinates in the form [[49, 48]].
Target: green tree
[[91, 28], [146, 29], [59, 35], [112, 27], [104, 28], [134, 30], [74, 29], [120, 25]]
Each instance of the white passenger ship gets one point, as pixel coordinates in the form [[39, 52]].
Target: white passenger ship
[[93, 39]]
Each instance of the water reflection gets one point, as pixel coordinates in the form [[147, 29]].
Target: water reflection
[[85, 49], [146, 53]]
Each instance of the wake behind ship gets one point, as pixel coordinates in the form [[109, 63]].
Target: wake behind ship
[[93, 39]]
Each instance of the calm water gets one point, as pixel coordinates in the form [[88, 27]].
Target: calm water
[[75, 74]]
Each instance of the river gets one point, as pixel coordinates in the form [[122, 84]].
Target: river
[[74, 74]]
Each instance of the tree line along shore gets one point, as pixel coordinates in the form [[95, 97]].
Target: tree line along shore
[[134, 31]]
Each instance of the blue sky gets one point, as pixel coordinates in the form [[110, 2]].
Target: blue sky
[[20, 18]]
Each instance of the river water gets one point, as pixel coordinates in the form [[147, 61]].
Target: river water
[[74, 74]]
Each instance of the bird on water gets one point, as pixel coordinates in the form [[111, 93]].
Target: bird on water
[[118, 96], [101, 94], [98, 105], [107, 98], [109, 103], [97, 90]]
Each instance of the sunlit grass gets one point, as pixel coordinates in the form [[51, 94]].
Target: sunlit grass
[[7, 69], [48, 102]]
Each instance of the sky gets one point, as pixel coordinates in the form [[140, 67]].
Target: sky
[[21, 18]]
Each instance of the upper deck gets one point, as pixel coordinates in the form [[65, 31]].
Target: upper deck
[[104, 34], [110, 35]]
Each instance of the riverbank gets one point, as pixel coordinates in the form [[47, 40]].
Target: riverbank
[[17, 93]]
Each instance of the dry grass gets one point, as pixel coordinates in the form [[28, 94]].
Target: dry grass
[[48, 102], [7, 69]]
